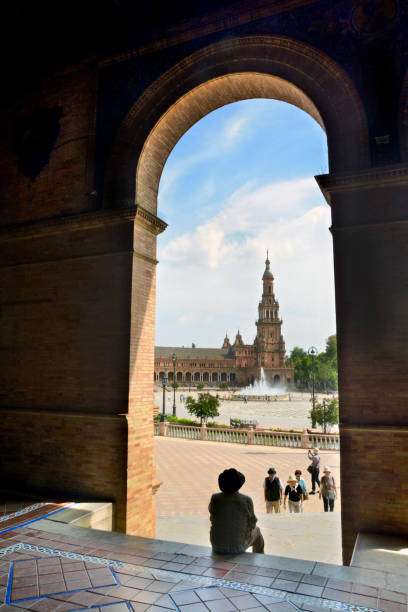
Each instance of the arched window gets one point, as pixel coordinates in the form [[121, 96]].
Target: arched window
[[161, 375], [188, 376], [269, 290], [179, 376], [223, 377], [214, 376], [197, 376], [206, 377]]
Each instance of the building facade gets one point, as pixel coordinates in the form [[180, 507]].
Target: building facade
[[237, 363]]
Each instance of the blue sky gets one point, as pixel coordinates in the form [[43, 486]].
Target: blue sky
[[238, 182]]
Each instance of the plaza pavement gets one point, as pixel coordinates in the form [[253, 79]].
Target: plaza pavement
[[189, 470]]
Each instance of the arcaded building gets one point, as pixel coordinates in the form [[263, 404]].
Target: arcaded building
[[237, 363]]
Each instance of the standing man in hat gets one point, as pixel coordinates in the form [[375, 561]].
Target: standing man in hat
[[314, 468], [233, 521], [273, 492]]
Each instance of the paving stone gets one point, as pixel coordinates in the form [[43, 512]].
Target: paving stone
[[245, 602], [363, 600], [195, 607], [312, 579], [209, 594], [221, 605], [340, 585], [391, 606], [158, 586], [288, 575], [286, 585], [185, 597], [392, 596], [309, 589], [342, 596]]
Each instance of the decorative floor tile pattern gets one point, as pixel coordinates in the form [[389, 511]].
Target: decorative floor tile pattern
[[214, 599], [36, 578], [150, 577]]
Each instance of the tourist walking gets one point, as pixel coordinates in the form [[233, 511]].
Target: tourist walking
[[273, 491], [294, 492], [302, 482], [233, 521], [314, 468], [328, 490]]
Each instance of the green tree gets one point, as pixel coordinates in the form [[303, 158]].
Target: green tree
[[323, 367], [204, 407], [326, 413], [174, 385], [200, 386], [223, 385]]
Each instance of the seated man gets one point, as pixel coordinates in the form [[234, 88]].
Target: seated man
[[233, 522]]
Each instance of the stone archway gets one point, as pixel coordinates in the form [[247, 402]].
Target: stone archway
[[225, 72]]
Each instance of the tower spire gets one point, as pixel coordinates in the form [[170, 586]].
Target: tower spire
[[267, 275]]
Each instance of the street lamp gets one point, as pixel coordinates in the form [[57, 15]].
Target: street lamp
[[324, 417], [164, 382], [313, 352], [174, 357]]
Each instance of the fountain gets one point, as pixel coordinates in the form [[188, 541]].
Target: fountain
[[261, 388]]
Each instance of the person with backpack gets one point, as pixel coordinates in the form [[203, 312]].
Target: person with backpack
[[314, 469], [273, 491], [302, 482], [328, 490]]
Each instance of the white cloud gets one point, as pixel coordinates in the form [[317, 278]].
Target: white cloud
[[233, 132], [209, 279]]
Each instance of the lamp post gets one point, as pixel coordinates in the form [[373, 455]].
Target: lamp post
[[324, 416], [313, 352], [163, 415], [174, 357]]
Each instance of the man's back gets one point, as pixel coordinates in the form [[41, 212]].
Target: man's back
[[232, 520]]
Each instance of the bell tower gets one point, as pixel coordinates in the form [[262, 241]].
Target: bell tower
[[269, 344]]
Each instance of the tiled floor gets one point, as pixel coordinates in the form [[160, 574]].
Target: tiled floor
[[47, 566]]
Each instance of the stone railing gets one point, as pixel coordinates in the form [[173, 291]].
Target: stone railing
[[278, 438], [249, 436], [324, 441]]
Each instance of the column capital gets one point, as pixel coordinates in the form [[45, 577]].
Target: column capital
[[362, 180]]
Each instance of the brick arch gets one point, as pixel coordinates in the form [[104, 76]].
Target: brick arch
[[231, 70]]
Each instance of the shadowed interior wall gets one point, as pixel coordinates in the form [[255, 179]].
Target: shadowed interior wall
[[78, 247]]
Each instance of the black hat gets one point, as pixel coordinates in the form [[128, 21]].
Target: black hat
[[271, 471], [230, 481]]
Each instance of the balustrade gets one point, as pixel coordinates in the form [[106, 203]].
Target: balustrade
[[249, 436]]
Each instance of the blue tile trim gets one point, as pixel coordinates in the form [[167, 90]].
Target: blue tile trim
[[40, 518], [7, 517], [10, 576], [58, 553], [9, 601]]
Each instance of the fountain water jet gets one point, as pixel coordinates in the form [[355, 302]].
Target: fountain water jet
[[262, 387]]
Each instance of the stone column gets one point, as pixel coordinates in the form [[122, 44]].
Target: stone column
[[77, 318], [370, 241]]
